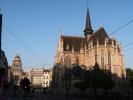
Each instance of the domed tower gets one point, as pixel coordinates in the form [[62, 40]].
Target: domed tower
[[17, 62], [17, 70]]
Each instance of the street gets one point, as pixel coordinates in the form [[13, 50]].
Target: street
[[40, 96], [17, 95]]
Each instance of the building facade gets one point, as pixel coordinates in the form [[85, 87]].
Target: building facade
[[94, 47], [41, 77], [3, 61], [47, 76], [36, 76]]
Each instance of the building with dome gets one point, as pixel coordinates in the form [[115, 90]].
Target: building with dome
[[16, 72]]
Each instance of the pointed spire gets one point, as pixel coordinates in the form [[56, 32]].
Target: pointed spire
[[88, 28]]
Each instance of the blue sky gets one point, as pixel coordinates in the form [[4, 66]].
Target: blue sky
[[37, 23]]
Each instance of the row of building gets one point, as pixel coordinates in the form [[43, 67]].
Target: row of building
[[38, 76], [41, 77], [14, 74]]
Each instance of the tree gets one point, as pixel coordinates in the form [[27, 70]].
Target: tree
[[129, 73], [129, 76], [82, 85], [101, 78], [96, 78], [85, 82], [25, 84]]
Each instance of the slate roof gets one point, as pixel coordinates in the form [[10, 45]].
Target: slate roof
[[79, 42], [73, 42], [100, 35]]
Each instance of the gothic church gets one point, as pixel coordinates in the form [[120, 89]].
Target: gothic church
[[94, 47]]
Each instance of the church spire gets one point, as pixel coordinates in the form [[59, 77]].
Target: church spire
[[88, 29]]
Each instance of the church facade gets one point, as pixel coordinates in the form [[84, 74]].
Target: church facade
[[94, 47]]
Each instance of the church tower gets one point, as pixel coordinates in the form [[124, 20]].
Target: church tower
[[88, 29]]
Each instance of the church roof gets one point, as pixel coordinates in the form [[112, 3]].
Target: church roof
[[70, 42], [100, 35], [76, 43]]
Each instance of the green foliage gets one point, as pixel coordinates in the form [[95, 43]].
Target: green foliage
[[129, 76], [96, 78], [129, 73], [101, 78], [82, 85], [25, 83]]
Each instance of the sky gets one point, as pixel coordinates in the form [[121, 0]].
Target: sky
[[31, 28]]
